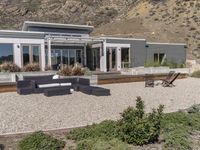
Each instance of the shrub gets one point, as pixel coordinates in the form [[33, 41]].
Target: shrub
[[40, 141], [196, 74], [136, 127], [65, 70], [194, 109], [176, 128], [31, 67], [98, 144], [77, 70], [9, 67], [47, 68], [165, 64], [176, 137], [105, 130]]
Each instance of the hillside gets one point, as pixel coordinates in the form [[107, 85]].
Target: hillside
[[154, 20]]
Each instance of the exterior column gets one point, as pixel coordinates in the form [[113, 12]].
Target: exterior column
[[119, 58], [110, 58], [43, 57], [103, 61], [85, 56], [49, 51]]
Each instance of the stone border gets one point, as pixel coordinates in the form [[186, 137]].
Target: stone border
[[15, 134]]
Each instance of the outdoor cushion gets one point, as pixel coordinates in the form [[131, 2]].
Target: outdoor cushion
[[23, 84], [25, 91], [48, 85], [57, 91], [83, 81], [36, 78], [56, 77], [65, 84], [68, 80]]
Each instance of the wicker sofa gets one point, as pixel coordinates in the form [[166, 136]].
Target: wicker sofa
[[51, 87]]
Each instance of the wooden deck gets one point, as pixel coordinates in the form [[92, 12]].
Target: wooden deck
[[7, 87], [102, 79], [110, 79]]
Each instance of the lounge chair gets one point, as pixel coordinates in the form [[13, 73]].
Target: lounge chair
[[169, 76], [169, 83]]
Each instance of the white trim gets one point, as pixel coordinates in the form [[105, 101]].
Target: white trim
[[116, 38], [183, 44], [118, 45], [15, 31], [99, 45]]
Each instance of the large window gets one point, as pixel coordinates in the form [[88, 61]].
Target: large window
[[30, 54], [159, 57], [36, 54], [65, 56], [125, 57], [26, 55], [6, 52]]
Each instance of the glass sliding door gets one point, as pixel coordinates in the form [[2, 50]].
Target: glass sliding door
[[125, 57], [78, 56], [26, 55], [65, 56], [96, 59], [56, 60], [111, 59], [36, 54], [72, 57], [30, 54]]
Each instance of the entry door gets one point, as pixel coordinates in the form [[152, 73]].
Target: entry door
[[111, 59]]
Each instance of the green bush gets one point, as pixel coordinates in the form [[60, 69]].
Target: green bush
[[105, 130], [40, 141], [136, 127], [98, 144], [176, 129], [196, 74], [165, 64], [176, 137]]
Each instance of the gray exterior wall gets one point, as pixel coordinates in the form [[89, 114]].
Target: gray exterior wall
[[58, 30], [175, 53], [137, 50], [142, 52]]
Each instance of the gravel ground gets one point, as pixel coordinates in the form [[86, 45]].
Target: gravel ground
[[37, 112]]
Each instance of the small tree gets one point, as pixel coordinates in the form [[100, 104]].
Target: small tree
[[136, 127]]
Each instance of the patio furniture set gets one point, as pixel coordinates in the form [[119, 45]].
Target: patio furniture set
[[167, 82], [54, 87]]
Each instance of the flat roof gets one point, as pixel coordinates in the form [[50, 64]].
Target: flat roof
[[118, 38], [158, 43], [25, 32], [21, 34], [55, 25]]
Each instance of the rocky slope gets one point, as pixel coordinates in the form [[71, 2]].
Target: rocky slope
[[155, 20]]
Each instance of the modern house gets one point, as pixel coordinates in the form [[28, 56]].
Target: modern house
[[53, 44]]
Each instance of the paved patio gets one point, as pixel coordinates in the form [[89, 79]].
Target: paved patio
[[37, 112]]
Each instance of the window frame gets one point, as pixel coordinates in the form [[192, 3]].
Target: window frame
[[158, 57], [30, 53]]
